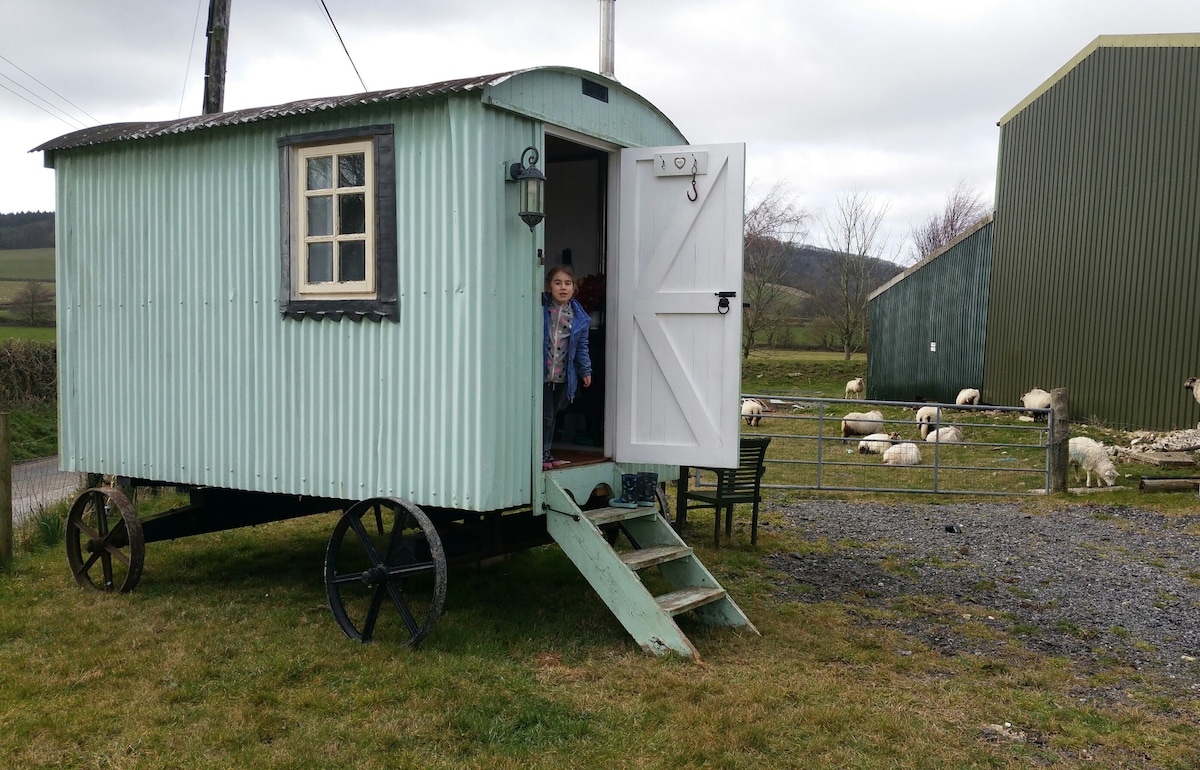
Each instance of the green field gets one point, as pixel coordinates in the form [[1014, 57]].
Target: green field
[[27, 264], [33, 333]]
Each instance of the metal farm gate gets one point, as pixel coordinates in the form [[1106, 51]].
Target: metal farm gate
[[1003, 450]]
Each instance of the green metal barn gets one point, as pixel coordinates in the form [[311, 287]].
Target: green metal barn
[[1094, 254]]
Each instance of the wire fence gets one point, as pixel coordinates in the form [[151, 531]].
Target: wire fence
[[39, 484]]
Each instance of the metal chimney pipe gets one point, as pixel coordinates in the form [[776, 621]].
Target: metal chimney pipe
[[607, 11]]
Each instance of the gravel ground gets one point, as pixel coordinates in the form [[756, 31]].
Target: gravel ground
[[1092, 583]]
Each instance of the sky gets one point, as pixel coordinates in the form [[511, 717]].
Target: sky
[[895, 99]]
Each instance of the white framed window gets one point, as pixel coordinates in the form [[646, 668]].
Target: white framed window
[[339, 224], [335, 203]]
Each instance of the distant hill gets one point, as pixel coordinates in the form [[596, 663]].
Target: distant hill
[[27, 230], [808, 269]]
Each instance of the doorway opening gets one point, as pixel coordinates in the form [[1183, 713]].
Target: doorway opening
[[576, 236]]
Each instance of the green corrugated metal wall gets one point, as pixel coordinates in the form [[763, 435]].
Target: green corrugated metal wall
[[942, 300], [175, 364], [1097, 242]]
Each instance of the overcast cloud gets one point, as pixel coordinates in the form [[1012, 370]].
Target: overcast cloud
[[897, 99]]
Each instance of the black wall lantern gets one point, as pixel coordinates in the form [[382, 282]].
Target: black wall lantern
[[533, 187]]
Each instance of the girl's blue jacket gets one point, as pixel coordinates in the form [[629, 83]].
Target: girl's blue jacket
[[579, 360]]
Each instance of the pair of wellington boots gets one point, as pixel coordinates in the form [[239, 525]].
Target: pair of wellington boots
[[636, 489]]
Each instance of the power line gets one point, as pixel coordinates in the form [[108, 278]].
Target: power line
[[67, 119], [191, 50], [51, 90], [343, 42]]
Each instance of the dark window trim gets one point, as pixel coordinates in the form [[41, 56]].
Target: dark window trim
[[386, 303]]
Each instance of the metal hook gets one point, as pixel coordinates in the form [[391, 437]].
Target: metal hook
[[694, 194]]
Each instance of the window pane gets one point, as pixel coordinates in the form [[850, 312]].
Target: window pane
[[353, 261], [320, 173], [320, 215], [352, 170], [320, 262], [352, 214]]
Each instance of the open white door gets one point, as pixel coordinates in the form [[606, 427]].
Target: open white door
[[679, 304]]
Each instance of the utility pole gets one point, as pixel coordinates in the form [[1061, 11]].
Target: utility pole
[[214, 62]]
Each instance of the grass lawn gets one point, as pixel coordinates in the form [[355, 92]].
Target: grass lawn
[[227, 656], [33, 333]]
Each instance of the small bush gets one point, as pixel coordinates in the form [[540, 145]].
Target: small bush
[[28, 373]]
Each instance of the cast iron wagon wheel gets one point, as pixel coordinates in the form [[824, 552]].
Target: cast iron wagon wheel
[[385, 549], [105, 546]]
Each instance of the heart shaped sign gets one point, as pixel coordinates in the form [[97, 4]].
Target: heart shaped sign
[[679, 161]]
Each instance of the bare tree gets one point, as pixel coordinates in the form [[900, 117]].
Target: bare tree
[[963, 210], [853, 236], [772, 228], [32, 303]]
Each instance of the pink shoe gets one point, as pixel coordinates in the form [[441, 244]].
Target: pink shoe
[[547, 466], [557, 463]]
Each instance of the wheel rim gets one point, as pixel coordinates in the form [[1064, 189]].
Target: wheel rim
[[385, 553], [105, 546]]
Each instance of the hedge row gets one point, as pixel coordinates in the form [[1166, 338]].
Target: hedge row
[[28, 373]]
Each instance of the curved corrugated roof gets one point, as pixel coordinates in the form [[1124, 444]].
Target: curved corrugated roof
[[119, 132], [1169, 40]]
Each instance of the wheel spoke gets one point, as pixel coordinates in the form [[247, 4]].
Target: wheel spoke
[[402, 607], [364, 539], [372, 613]]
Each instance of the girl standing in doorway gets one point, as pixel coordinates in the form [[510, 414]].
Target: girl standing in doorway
[[565, 357]]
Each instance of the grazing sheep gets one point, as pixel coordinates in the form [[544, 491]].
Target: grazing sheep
[[877, 443], [1190, 384], [927, 416], [1091, 455], [855, 388], [902, 454], [752, 410], [947, 435], [967, 397], [1036, 399], [862, 423]]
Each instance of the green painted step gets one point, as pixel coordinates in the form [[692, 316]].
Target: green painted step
[[615, 575]]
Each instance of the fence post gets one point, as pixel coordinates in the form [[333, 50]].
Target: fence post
[[6, 512], [1060, 434]]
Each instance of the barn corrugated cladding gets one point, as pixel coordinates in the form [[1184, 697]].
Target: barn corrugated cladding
[[1096, 262], [928, 324], [177, 365]]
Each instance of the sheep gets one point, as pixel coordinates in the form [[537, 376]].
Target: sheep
[[1190, 384], [752, 411], [967, 397], [927, 416], [1091, 455], [855, 388], [877, 443], [946, 435], [907, 453], [861, 423], [1036, 399]]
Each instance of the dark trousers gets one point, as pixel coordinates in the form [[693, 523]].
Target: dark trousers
[[554, 400]]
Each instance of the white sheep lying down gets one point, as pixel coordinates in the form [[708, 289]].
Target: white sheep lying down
[[855, 388], [862, 423], [877, 443], [946, 435], [967, 396], [907, 453], [1091, 455]]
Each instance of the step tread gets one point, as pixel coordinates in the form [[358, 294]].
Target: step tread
[[599, 516], [685, 599], [648, 557]]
